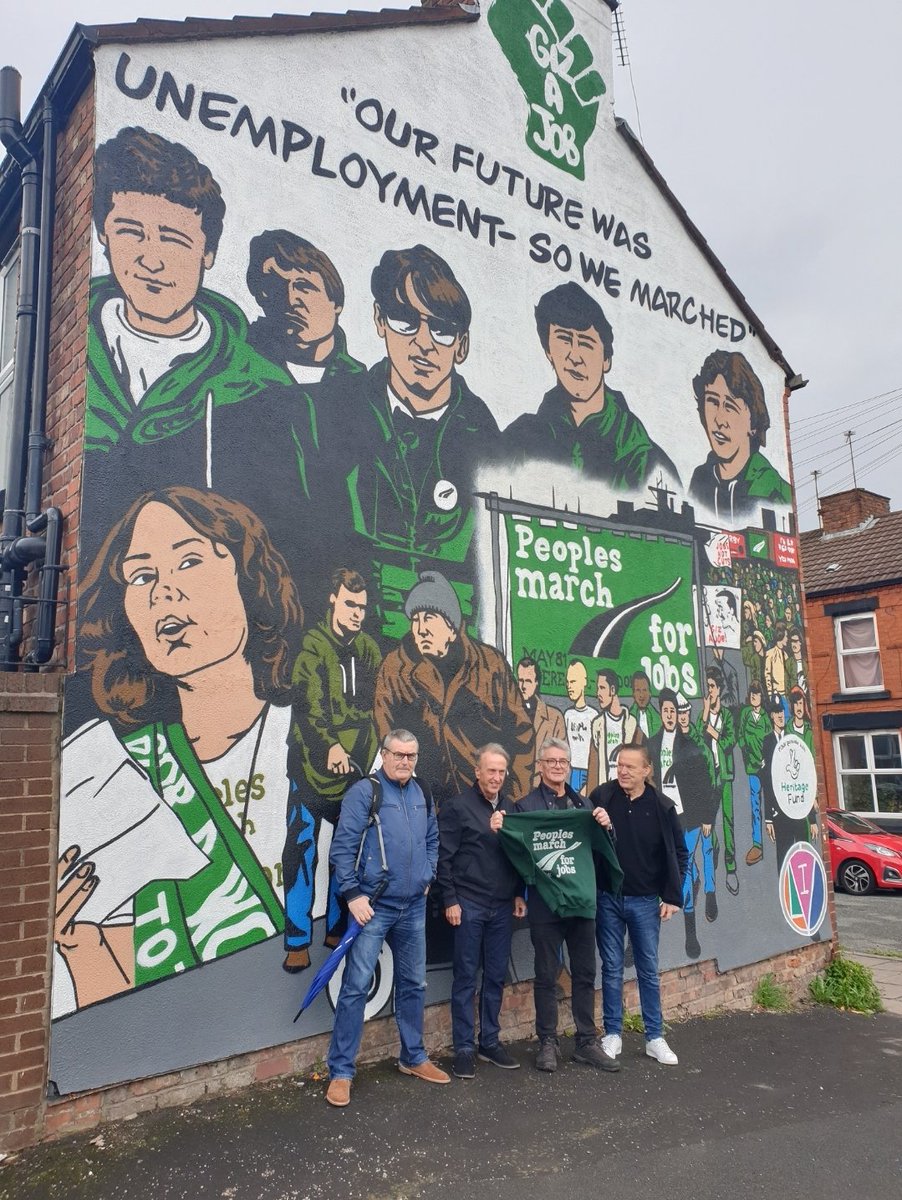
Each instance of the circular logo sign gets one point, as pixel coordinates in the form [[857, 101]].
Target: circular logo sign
[[803, 889], [445, 495], [793, 777]]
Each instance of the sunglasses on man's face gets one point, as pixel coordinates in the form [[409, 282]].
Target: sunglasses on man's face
[[407, 322]]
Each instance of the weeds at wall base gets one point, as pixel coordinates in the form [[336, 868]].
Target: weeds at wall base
[[845, 984]]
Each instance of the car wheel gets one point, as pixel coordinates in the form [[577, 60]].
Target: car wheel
[[857, 878]]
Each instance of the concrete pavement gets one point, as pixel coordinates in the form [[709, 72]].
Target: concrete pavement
[[804, 1103], [888, 977]]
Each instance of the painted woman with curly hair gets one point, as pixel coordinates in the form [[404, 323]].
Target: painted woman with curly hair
[[190, 625]]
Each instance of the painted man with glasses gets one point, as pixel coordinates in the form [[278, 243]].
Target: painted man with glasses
[[412, 435], [408, 833]]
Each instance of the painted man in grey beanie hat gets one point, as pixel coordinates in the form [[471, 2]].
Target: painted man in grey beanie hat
[[453, 692]]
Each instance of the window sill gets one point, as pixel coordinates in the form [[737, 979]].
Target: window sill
[[853, 697]]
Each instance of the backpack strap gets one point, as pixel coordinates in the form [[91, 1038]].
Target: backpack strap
[[373, 819]]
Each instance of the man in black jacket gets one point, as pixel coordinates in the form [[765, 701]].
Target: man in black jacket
[[481, 893], [652, 853], [549, 932]]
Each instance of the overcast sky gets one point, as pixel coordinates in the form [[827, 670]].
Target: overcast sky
[[776, 124]]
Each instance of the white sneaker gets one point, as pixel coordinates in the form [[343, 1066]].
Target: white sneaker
[[657, 1048], [612, 1044]]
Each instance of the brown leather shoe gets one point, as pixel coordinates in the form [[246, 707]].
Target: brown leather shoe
[[338, 1094], [754, 855], [426, 1071], [296, 960]]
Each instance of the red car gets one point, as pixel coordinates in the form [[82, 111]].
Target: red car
[[864, 857]]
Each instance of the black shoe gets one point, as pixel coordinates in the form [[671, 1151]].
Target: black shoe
[[499, 1056], [732, 881], [546, 1059], [593, 1056], [464, 1065], [693, 949], [710, 906]]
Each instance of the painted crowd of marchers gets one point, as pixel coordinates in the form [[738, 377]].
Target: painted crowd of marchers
[[279, 565]]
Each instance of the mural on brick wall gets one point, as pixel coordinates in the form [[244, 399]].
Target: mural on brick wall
[[396, 421]]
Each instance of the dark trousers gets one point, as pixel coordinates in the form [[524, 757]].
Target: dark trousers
[[547, 939], [482, 939]]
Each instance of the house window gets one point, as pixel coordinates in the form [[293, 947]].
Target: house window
[[869, 771], [9, 279], [858, 653]]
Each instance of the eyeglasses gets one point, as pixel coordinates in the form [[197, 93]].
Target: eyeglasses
[[556, 762], [409, 755], [408, 323]]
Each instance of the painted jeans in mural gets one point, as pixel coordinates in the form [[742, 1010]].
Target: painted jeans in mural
[[694, 839], [298, 866]]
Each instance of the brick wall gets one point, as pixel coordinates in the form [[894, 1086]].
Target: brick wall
[[29, 754], [687, 991], [68, 340]]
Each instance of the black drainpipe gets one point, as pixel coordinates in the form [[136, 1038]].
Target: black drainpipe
[[22, 517]]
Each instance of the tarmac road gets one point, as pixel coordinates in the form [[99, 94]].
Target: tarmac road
[[761, 1104], [870, 924]]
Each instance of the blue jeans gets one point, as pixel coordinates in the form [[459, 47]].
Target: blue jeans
[[298, 866], [640, 916], [482, 939], [755, 802], [404, 928], [693, 838]]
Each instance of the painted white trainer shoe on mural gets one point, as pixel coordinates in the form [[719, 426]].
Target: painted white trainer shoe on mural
[[658, 1049], [612, 1044]]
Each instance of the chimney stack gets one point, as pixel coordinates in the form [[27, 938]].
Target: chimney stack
[[846, 510]]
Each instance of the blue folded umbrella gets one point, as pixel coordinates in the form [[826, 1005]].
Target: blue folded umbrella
[[330, 966]]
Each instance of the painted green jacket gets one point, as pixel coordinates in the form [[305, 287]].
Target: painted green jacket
[[267, 337], [333, 702], [720, 749], [612, 445], [758, 483], [751, 739], [225, 371]]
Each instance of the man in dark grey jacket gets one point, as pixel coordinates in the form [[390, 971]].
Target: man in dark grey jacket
[[481, 893]]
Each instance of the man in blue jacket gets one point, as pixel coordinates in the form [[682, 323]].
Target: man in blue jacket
[[409, 835]]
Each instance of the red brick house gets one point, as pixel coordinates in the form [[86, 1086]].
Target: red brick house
[[852, 579]]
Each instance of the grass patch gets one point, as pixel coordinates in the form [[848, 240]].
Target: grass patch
[[633, 1023], [883, 952], [847, 984], [771, 995]]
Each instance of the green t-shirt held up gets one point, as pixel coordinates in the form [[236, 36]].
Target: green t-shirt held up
[[552, 851]]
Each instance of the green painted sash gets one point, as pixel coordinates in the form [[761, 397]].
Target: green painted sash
[[227, 905]]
